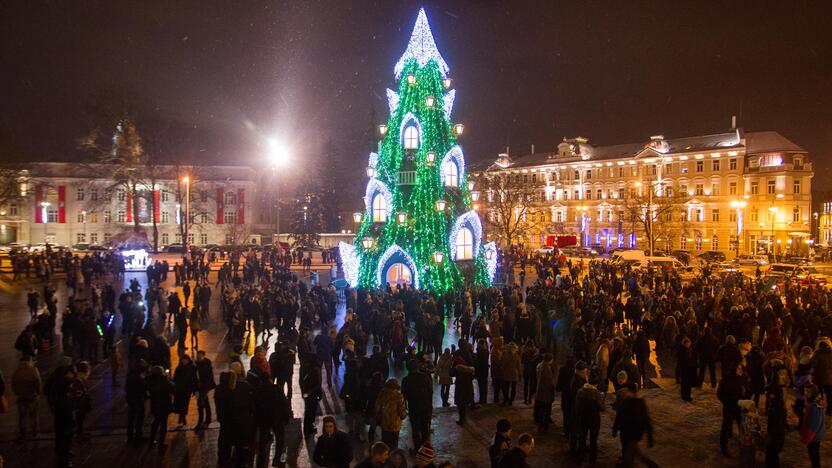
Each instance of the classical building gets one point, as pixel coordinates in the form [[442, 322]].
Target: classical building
[[71, 203], [730, 192]]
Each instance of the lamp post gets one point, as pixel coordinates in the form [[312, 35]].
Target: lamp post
[[84, 222], [45, 216], [279, 156], [582, 210], [738, 205], [648, 217], [187, 181], [773, 215]]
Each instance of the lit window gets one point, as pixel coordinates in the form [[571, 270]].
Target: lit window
[[715, 215], [203, 238], [450, 173], [230, 217], [796, 187], [755, 188], [796, 214], [108, 216], [732, 164], [94, 237], [732, 188], [700, 166], [715, 243], [379, 209], [464, 244], [411, 137], [80, 194], [771, 187], [700, 189], [165, 238]]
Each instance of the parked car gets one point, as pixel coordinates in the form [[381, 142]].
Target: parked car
[[810, 275], [712, 256], [175, 248], [797, 260], [547, 250], [756, 260], [81, 247]]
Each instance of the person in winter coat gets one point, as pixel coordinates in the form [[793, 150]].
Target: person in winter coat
[[374, 387], [463, 388], [822, 365], [754, 371], [728, 356], [185, 379], [511, 368], [776, 428], [687, 362], [731, 389], [161, 390], [750, 432], [633, 422], [516, 457], [390, 412], [565, 374], [530, 358], [241, 418], [195, 323], [272, 415], [481, 366], [62, 405], [802, 377], [311, 389], [579, 379], [417, 389], [333, 448], [205, 383], [544, 394], [497, 366], [588, 408], [602, 363], [814, 423], [706, 352], [27, 387], [443, 376]]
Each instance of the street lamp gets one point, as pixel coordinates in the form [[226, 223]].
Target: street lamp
[[84, 222], [187, 181], [279, 157], [438, 256], [357, 216], [582, 210], [44, 214], [773, 215], [738, 205]]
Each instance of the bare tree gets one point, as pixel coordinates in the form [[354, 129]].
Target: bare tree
[[507, 202], [668, 218], [12, 181]]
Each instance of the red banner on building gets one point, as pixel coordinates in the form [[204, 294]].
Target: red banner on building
[[129, 206], [155, 206], [62, 204], [220, 196], [38, 201]]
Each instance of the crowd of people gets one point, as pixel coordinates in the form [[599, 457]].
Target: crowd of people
[[583, 331]]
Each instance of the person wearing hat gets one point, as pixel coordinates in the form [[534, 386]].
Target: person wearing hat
[[390, 412], [463, 374], [588, 408], [333, 448], [580, 378], [502, 442]]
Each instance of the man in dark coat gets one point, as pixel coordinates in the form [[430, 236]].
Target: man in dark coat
[[161, 389], [464, 388], [205, 383], [272, 414], [705, 351], [633, 422], [565, 374], [417, 388], [588, 407], [311, 389], [62, 404], [580, 378], [516, 457], [135, 390], [334, 448], [732, 389], [185, 381]]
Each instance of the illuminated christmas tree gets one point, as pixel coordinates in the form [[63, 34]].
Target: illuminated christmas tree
[[419, 225]]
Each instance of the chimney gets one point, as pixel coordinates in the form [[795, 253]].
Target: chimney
[[532, 148], [733, 122]]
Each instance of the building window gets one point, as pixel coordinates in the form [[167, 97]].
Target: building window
[[589, 174], [107, 237], [230, 198], [93, 194], [633, 171], [668, 216], [700, 215], [599, 193], [683, 168], [165, 196], [12, 209], [683, 189], [698, 242], [732, 164], [121, 195], [668, 192], [755, 187], [178, 238], [700, 189], [715, 165], [93, 237], [52, 216], [229, 239], [683, 243], [577, 195], [165, 238], [120, 217], [668, 168], [230, 217], [621, 193], [411, 137], [755, 215], [203, 238], [79, 194], [108, 194], [379, 209], [798, 163], [715, 191], [732, 216], [450, 173], [464, 244], [80, 238], [796, 214], [700, 166], [203, 195], [559, 216], [81, 217], [732, 188], [588, 194], [796, 186], [191, 239], [108, 216], [715, 243], [771, 187], [203, 218], [165, 217], [715, 215], [620, 172]]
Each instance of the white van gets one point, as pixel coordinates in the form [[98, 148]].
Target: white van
[[659, 263], [627, 256]]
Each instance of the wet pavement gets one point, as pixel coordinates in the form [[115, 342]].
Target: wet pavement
[[686, 434]]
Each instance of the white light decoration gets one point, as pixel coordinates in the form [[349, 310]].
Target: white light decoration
[[447, 83], [470, 185], [392, 100], [411, 79], [458, 129], [357, 216], [455, 153], [430, 101], [490, 252], [448, 103], [475, 196], [438, 256], [430, 158], [382, 129], [373, 160], [472, 221], [367, 243], [349, 262], [382, 261], [402, 217], [410, 119], [421, 48], [440, 205], [371, 171], [375, 186], [135, 260]]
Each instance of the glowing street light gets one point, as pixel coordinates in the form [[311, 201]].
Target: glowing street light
[[279, 157], [367, 243], [438, 256], [357, 217], [440, 205], [187, 181], [402, 216]]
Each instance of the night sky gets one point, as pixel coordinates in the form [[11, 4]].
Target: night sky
[[526, 72]]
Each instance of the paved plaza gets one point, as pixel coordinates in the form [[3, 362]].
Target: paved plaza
[[686, 434]]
